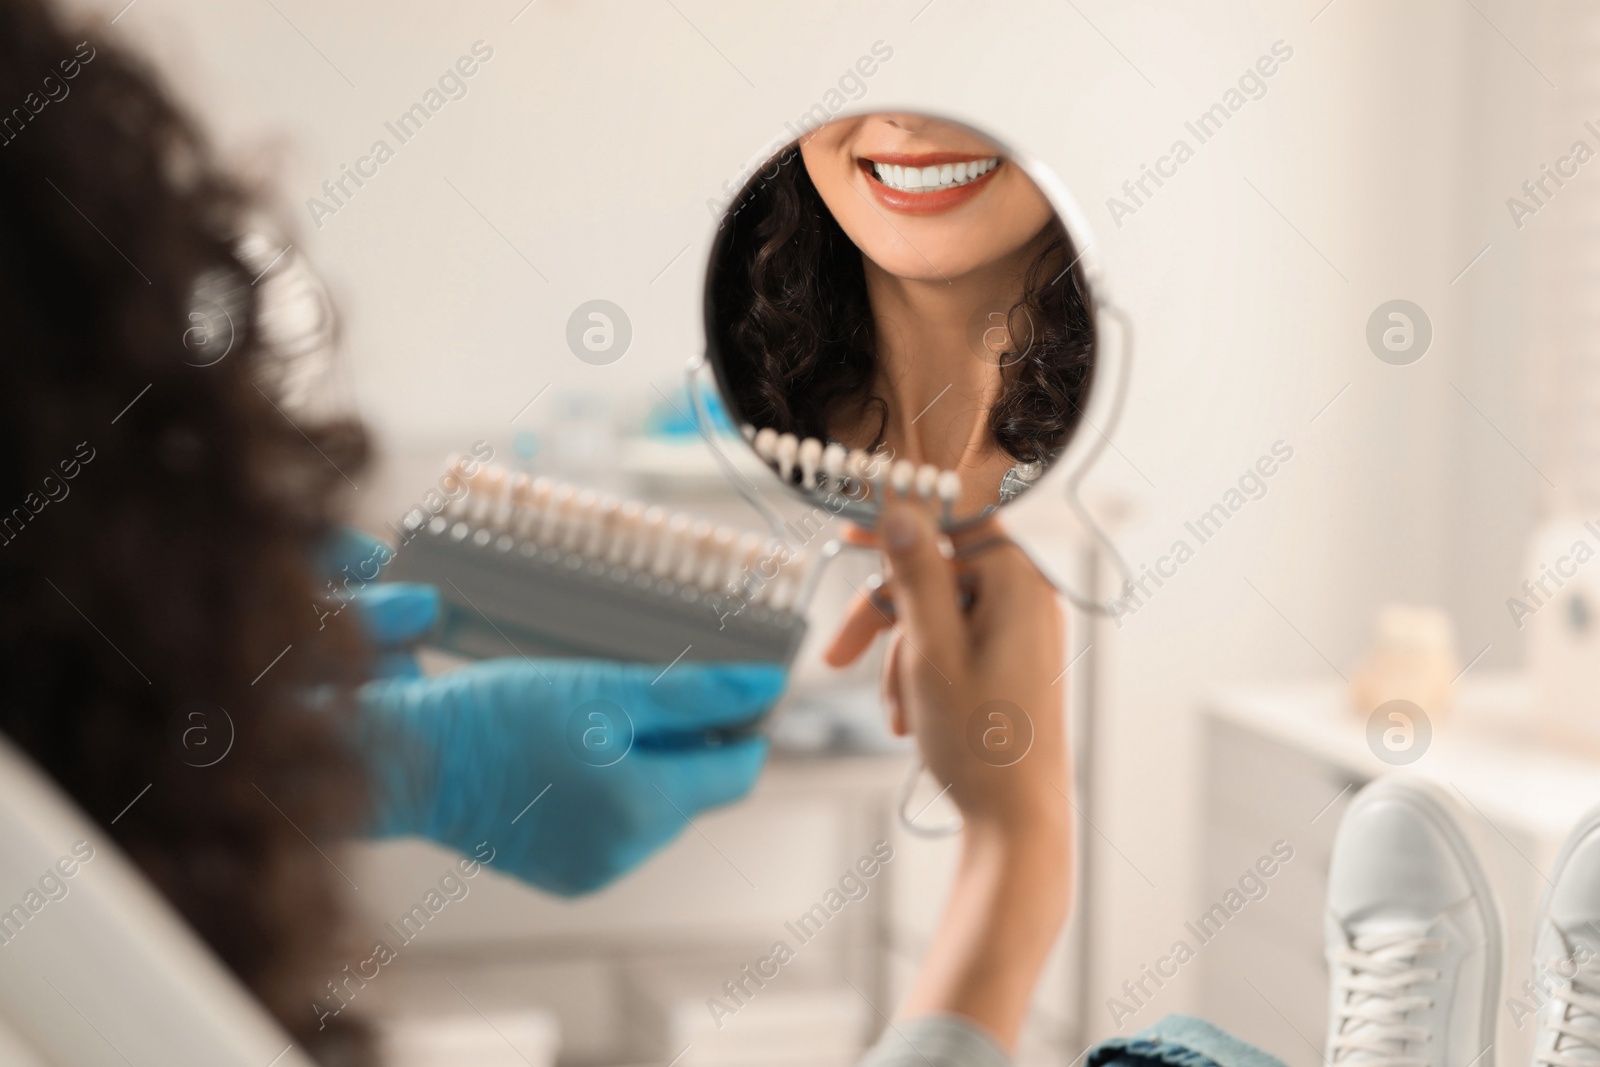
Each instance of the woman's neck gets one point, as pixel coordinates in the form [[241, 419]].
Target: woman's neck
[[939, 384]]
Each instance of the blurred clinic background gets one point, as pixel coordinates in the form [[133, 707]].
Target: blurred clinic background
[[1436, 457]]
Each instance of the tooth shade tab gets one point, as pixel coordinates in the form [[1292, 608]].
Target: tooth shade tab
[[901, 477], [810, 455], [833, 457], [831, 467], [766, 444], [933, 178], [859, 466], [788, 450]]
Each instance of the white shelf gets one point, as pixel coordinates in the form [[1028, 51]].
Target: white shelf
[[1488, 749]]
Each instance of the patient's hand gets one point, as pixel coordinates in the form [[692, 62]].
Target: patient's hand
[[980, 686]]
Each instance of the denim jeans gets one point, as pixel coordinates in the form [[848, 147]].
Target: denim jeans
[[1176, 1041], [1179, 1041]]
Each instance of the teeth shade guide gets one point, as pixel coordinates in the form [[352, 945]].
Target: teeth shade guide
[[534, 567], [815, 466]]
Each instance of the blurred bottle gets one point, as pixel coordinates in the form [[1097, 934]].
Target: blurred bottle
[[1557, 607], [581, 437], [1413, 657]]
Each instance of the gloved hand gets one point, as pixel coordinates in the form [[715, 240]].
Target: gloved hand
[[572, 771], [394, 615]]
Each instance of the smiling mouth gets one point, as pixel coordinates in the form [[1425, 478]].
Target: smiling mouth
[[932, 179]]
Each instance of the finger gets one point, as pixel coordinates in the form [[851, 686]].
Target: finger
[[390, 665], [352, 553], [695, 779], [396, 613], [891, 689], [1005, 572], [851, 534], [862, 625], [678, 698], [1010, 587], [977, 534], [927, 607]]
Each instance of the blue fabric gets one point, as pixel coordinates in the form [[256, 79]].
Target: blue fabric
[[569, 773], [1179, 1041], [936, 1041], [955, 1041]]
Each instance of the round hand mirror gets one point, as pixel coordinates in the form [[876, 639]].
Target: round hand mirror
[[898, 304]]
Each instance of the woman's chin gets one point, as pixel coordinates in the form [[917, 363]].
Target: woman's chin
[[912, 264]]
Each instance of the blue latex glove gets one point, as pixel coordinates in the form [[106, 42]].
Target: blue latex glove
[[394, 615], [572, 771], [613, 758]]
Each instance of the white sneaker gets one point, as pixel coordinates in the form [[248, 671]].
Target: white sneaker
[[1413, 935], [1566, 954]]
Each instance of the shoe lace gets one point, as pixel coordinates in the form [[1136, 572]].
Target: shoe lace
[[1375, 974], [1573, 1019]]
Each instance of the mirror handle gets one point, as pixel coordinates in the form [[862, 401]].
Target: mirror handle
[[902, 801]]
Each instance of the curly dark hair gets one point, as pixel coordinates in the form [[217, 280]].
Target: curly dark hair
[[789, 316], [159, 522]]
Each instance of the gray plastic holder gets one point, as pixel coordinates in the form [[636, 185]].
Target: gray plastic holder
[[504, 596]]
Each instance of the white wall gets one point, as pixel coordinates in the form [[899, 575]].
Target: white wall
[[598, 131]]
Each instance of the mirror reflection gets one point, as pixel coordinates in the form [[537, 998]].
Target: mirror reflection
[[895, 306]]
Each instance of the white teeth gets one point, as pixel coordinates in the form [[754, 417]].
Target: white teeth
[[916, 179], [927, 478]]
